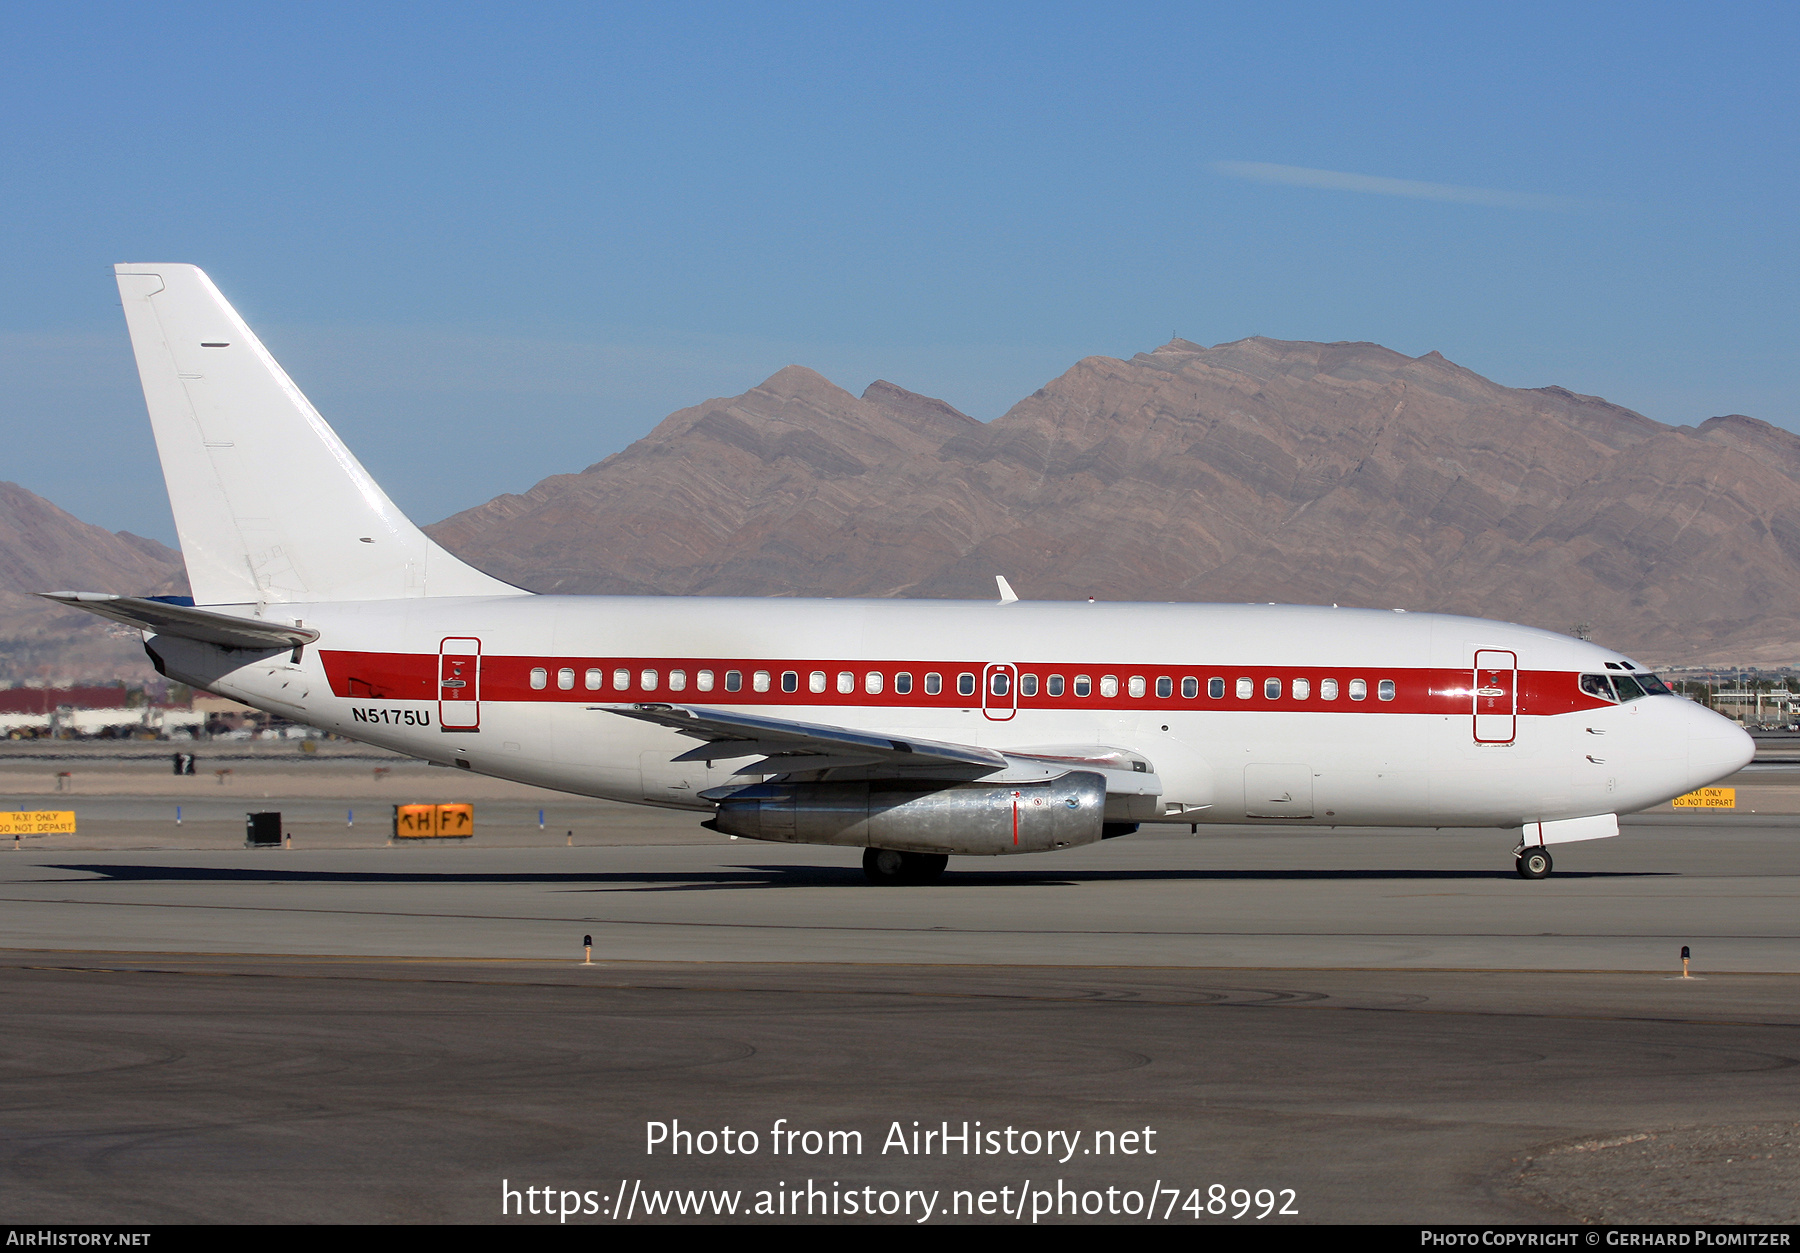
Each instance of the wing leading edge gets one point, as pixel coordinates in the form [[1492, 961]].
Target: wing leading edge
[[787, 747]]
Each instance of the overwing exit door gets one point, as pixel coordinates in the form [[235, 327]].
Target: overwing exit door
[[1496, 696], [459, 684], [999, 697]]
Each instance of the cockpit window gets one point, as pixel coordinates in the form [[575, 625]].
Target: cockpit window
[[1628, 687], [1653, 686], [1596, 685]]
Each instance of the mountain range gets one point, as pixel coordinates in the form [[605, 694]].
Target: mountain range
[[1259, 470], [44, 549]]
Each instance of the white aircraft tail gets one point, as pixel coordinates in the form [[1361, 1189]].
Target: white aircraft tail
[[269, 504]]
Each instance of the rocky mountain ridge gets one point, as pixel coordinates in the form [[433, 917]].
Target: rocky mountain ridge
[[1260, 470], [44, 549]]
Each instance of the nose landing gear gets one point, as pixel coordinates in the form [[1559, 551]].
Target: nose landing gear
[[885, 866], [1532, 863]]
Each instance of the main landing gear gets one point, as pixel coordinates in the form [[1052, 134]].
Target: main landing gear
[[888, 867], [1533, 863]]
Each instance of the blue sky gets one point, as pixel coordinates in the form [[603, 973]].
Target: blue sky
[[496, 242]]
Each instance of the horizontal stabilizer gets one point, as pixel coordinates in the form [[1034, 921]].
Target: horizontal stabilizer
[[185, 622]]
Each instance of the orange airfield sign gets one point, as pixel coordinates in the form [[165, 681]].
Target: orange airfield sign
[[434, 822], [1708, 798], [38, 822]]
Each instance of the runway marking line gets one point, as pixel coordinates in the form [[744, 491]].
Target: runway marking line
[[1269, 998], [558, 962], [1373, 936]]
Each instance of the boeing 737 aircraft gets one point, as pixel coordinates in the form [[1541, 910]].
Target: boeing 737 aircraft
[[909, 729]]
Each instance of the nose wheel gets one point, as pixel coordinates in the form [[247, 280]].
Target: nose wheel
[[1533, 863], [887, 866]]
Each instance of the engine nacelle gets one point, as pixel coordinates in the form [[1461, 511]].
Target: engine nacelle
[[922, 816]]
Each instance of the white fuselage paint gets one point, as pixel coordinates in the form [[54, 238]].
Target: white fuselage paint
[[1369, 766]]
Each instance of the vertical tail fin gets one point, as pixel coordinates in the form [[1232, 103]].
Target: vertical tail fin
[[269, 504]]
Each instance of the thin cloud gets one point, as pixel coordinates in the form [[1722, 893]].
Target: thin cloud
[[1335, 180]]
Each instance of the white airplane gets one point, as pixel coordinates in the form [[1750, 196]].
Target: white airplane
[[910, 729]]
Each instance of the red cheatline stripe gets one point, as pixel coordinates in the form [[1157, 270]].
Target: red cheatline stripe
[[1418, 690]]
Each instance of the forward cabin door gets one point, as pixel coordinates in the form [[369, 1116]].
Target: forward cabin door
[[999, 691], [1496, 696], [459, 684]]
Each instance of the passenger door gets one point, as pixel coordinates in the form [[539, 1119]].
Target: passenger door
[[459, 684], [1495, 692]]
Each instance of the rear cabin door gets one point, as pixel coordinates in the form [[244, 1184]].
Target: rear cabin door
[[999, 691], [1496, 696], [459, 684]]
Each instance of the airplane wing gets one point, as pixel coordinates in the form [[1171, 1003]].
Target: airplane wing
[[787, 746], [187, 622], [784, 746]]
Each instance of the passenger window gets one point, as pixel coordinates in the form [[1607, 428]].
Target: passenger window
[[1190, 687], [1300, 688], [1054, 685], [1385, 689], [1358, 690], [903, 683], [678, 680], [815, 682], [1271, 689], [790, 681], [593, 679], [872, 682], [934, 683], [540, 678], [1028, 685], [1109, 685], [1215, 688], [734, 679], [1327, 689], [648, 679], [1165, 687], [704, 680], [999, 684], [621, 680], [1134, 686], [965, 684], [1083, 687], [1246, 688], [846, 682], [565, 678], [759, 681]]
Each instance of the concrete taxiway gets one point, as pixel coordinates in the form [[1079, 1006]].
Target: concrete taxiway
[[1389, 1023]]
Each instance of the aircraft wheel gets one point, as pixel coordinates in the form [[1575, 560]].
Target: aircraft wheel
[[1534, 863], [887, 867], [928, 867]]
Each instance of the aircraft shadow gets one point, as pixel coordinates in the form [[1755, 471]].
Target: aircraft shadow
[[787, 876]]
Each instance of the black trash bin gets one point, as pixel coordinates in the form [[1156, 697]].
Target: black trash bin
[[262, 830]]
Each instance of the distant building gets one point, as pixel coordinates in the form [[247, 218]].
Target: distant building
[[47, 700], [104, 710]]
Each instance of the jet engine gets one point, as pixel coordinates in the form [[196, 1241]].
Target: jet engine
[[922, 816]]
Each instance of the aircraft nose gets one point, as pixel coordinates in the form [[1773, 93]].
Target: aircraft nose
[[1717, 747]]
